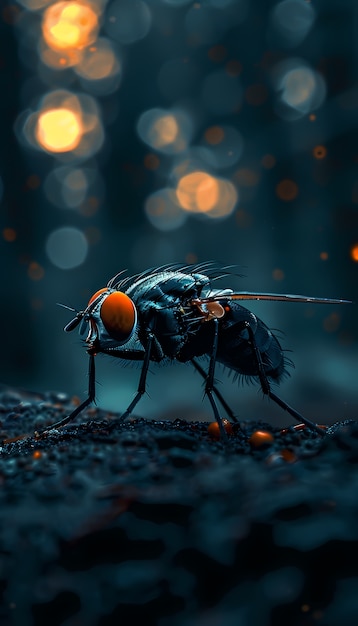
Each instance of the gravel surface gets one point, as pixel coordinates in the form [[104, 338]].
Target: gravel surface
[[162, 523]]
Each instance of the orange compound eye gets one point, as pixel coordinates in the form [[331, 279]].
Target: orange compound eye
[[118, 315], [95, 295]]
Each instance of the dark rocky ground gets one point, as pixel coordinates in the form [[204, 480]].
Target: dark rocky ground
[[158, 523]]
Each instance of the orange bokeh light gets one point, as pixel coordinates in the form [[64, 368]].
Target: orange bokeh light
[[59, 130], [70, 25], [197, 192]]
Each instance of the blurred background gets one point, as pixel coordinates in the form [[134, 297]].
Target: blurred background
[[142, 132]]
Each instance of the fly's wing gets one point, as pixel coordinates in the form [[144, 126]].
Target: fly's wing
[[247, 295]]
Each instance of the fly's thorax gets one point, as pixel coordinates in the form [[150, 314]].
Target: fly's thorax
[[167, 285], [109, 320]]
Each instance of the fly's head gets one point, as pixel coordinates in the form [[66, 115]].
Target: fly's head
[[109, 320]]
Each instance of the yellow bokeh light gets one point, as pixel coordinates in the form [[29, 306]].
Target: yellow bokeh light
[[59, 130], [68, 25]]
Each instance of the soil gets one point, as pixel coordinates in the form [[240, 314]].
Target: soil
[[162, 523]]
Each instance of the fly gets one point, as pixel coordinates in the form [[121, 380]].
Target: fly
[[173, 312]]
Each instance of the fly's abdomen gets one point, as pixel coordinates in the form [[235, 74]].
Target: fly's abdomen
[[236, 351]]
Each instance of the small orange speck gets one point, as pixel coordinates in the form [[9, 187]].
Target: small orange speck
[[278, 274], [323, 256], [151, 162], [35, 271], [268, 161], [305, 608], [37, 454], [33, 182], [9, 234], [214, 135], [217, 53], [312, 117], [214, 431], [233, 68], [261, 438], [256, 94], [191, 257], [331, 323], [319, 152], [354, 252], [287, 190]]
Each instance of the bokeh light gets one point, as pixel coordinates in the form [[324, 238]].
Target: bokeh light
[[177, 3], [64, 124], [67, 247], [66, 187], [224, 146], [165, 131], [163, 210], [34, 5], [58, 130], [99, 68], [354, 252], [301, 89], [70, 25], [292, 20], [128, 21], [199, 192]]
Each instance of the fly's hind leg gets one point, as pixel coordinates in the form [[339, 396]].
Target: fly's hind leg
[[219, 396], [265, 386], [209, 385]]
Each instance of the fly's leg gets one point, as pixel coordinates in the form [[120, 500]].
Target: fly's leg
[[216, 391], [209, 385], [142, 380], [79, 409], [265, 386]]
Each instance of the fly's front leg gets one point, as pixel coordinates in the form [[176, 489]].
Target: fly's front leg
[[82, 406], [209, 385], [142, 380], [265, 385]]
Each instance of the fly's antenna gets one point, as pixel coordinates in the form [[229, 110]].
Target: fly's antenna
[[274, 297], [76, 320], [64, 306]]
